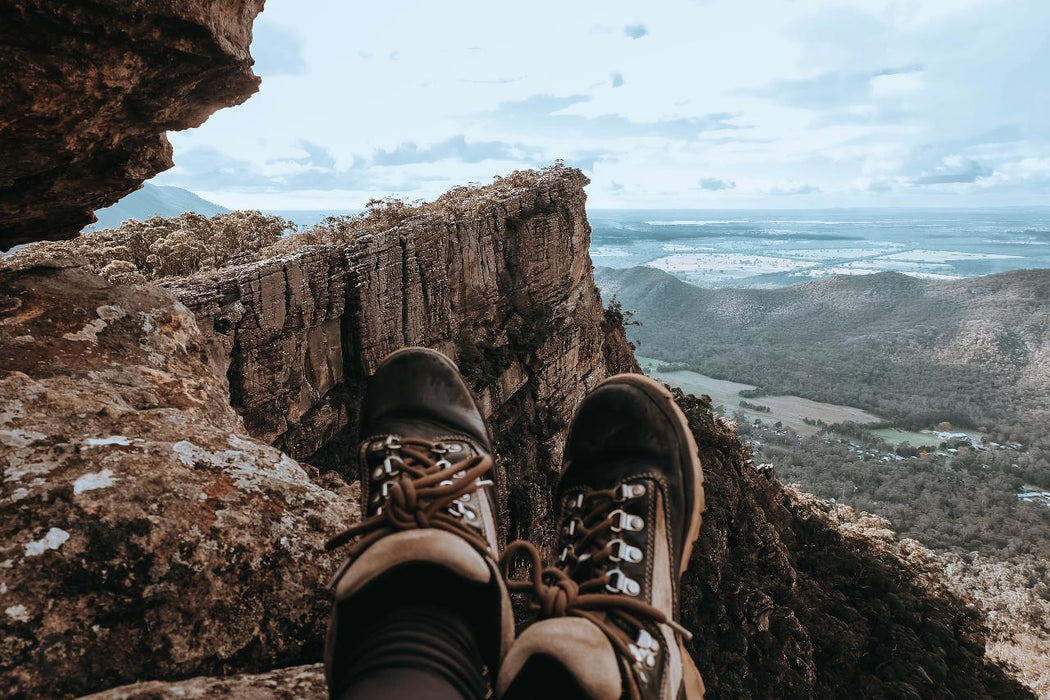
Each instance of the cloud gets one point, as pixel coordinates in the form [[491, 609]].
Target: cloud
[[635, 31], [1008, 133], [616, 79], [316, 156], [545, 114], [206, 169], [953, 170], [794, 189], [454, 148], [615, 186], [585, 160], [839, 89], [277, 50], [713, 184], [487, 81]]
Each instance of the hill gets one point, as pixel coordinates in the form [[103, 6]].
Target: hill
[[974, 352], [153, 200]]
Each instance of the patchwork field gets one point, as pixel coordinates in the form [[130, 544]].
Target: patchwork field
[[788, 410]]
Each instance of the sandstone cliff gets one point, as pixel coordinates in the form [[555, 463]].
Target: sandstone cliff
[[89, 89], [147, 505]]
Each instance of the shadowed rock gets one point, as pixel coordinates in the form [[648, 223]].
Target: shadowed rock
[[89, 91]]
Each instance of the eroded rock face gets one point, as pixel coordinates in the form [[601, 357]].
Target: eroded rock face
[[89, 90], [509, 295], [790, 596], [144, 534]]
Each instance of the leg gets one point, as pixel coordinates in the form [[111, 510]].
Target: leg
[[420, 608], [424, 652]]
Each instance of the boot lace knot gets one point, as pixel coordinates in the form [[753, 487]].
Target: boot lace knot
[[587, 582], [416, 488]]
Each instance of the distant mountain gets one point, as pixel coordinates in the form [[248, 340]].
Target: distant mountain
[[153, 200], [974, 351]]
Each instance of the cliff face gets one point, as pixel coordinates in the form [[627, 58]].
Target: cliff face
[[89, 90], [509, 295], [145, 498]]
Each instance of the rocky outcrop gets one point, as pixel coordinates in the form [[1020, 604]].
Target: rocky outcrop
[[791, 596], [144, 533], [90, 89], [295, 683], [140, 509], [508, 294]]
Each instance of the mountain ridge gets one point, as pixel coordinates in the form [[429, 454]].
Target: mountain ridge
[[985, 340], [153, 200]]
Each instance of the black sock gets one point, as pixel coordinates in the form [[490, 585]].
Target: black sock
[[422, 652]]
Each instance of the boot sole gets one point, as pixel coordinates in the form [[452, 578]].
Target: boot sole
[[692, 687], [659, 393]]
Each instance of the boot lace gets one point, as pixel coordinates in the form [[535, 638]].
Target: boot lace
[[586, 582], [424, 491]]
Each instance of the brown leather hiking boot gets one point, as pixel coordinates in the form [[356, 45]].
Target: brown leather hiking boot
[[630, 497], [428, 533]]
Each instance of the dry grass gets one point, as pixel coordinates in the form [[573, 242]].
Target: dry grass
[[158, 248]]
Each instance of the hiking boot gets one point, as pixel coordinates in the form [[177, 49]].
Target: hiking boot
[[630, 498], [428, 530]]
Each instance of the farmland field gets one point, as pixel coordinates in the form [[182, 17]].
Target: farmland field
[[788, 410]]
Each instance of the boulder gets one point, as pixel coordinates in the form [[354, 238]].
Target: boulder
[[89, 90]]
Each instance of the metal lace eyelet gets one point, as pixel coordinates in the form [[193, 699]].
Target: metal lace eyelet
[[628, 491], [453, 447], [570, 528], [439, 448], [392, 442], [442, 464], [646, 641], [626, 521], [565, 552], [459, 510], [388, 465], [621, 551], [619, 582], [385, 489], [576, 503]]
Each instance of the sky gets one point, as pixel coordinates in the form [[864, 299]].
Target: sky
[[668, 104]]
